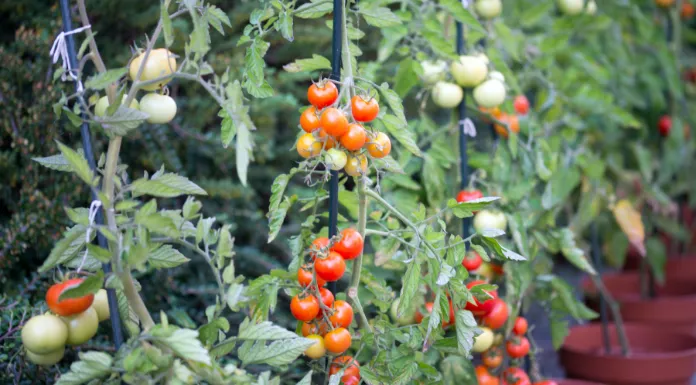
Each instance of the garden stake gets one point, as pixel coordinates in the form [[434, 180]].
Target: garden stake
[[115, 319], [463, 159], [597, 259]]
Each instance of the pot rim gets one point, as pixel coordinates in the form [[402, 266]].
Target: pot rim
[[586, 281]]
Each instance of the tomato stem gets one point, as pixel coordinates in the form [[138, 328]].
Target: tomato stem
[[357, 262]]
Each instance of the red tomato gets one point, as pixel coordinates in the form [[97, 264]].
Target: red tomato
[[429, 307], [350, 245], [485, 377], [498, 314], [330, 268], [304, 276], [472, 261], [665, 125], [69, 306], [337, 341], [354, 138], [520, 327], [515, 376], [327, 297], [334, 122], [521, 105], [318, 326], [546, 382], [319, 247], [351, 365], [352, 380], [342, 315], [492, 357], [364, 110], [304, 309], [469, 195], [517, 347], [309, 121], [479, 308], [687, 11], [322, 94]]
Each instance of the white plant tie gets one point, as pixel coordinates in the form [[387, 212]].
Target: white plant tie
[[468, 127], [59, 50], [465, 4], [93, 210]]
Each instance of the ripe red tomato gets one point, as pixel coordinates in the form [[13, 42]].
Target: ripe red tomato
[[337, 341], [304, 276], [546, 382], [485, 377], [320, 246], [429, 307], [334, 122], [351, 365], [342, 315], [472, 261], [327, 297], [305, 308], [515, 376], [355, 138], [350, 245], [69, 306], [364, 110], [480, 308], [687, 11], [520, 327], [492, 357], [318, 326], [521, 105], [517, 347], [665, 125], [496, 317], [513, 124], [469, 195], [309, 120], [322, 94], [330, 268], [379, 146]]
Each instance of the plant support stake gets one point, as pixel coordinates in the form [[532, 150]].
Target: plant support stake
[[463, 159], [116, 329]]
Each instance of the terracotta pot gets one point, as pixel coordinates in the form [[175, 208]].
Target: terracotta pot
[[568, 381], [673, 307], [682, 268], [658, 356]]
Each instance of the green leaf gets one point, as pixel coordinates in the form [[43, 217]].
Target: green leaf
[[285, 26], [314, 10], [380, 17], [55, 162], [100, 254], [572, 253], [166, 185], [185, 344], [90, 285], [217, 17], [657, 258], [78, 163], [409, 288], [244, 151], [406, 76], [91, 366], [104, 79], [277, 191], [254, 61], [559, 187], [466, 331], [317, 62], [122, 121], [166, 257], [644, 158], [276, 353], [66, 248], [276, 218], [434, 177], [438, 43], [306, 380], [401, 132], [466, 209], [559, 331], [461, 14], [167, 29], [393, 101]]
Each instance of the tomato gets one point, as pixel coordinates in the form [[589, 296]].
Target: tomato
[[317, 350], [591, 7], [665, 125], [160, 108], [342, 314], [447, 95], [469, 195], [364, 110], [308, 146], [664, 3], [159, 63], [357, 165], [510, 123], [489, 9], [327, 297], [322, 94], [44, 334], [337, 341], [330, 268], [478, 308], [350, 366], [309, 120], [429, 307], [483, 341], [351, 380], [472, 261], [485, 377], [48, 359], [407, 318], [379, 146], [350, 245], [469, 71], [490, 93], [571, 7], [318, 326], [69, 306], [81, 327], [334, 122], [546, 382], [355, 138], [101, 305], [433, 72], [496, 317], [517, 347], [521, 105], [492, 358], [520, 327], [420, 316], [487, 219], [335, 159], [304, 277], [103, 104], [305, 308], [687, 11], [515, 376], [320, 247]]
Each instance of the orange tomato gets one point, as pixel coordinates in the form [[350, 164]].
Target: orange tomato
[[513, 124], [334, 122], [309, 120], [354, 138], [379, 146]]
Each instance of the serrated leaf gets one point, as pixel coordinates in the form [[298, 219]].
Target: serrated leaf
[[91, 366], [559, 187], [167, 29], [559, 331], [466, 209], [263, 331], [285, 25], [166, 185], [401, 132], [314, 10], [254, 62], [276, 353], [409, 287], [55, 162], [461, 14], [380, 17], [317, 62], [90, 285], [631, 223], [276, 218], [466, 331], [78, 164], [393, 101], [243, 150], [66, 248], [100, 254], [122, 121], [306, 380], [104, 79], [166, 257], [185, 343]]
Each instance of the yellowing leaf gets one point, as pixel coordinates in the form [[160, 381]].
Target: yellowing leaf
[[631, 223]]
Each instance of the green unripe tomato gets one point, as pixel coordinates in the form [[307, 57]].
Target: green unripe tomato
[[487, 219], [433, 71], [591, 7], [469, 71], [483, 341], [160, 63], [101, 305], [408, 318], [571, 7], [48, 359], [44, 334], [81, 327], [103, 104], [489, 9], [447, 95], [160, 108], [335, 159], [490, 93]]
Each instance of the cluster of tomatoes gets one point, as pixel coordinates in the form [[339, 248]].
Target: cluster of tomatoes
[[506, 121], [328, 130], [160, 108], [325, 319], [687, 11], [71, 321], [517, 347]]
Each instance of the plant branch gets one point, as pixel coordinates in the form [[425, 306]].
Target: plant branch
[[94, 49], [357, 263], [615, 312]]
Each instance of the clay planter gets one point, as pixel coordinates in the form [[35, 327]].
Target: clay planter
[[673, 308], [568, 381], [658, 356]]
